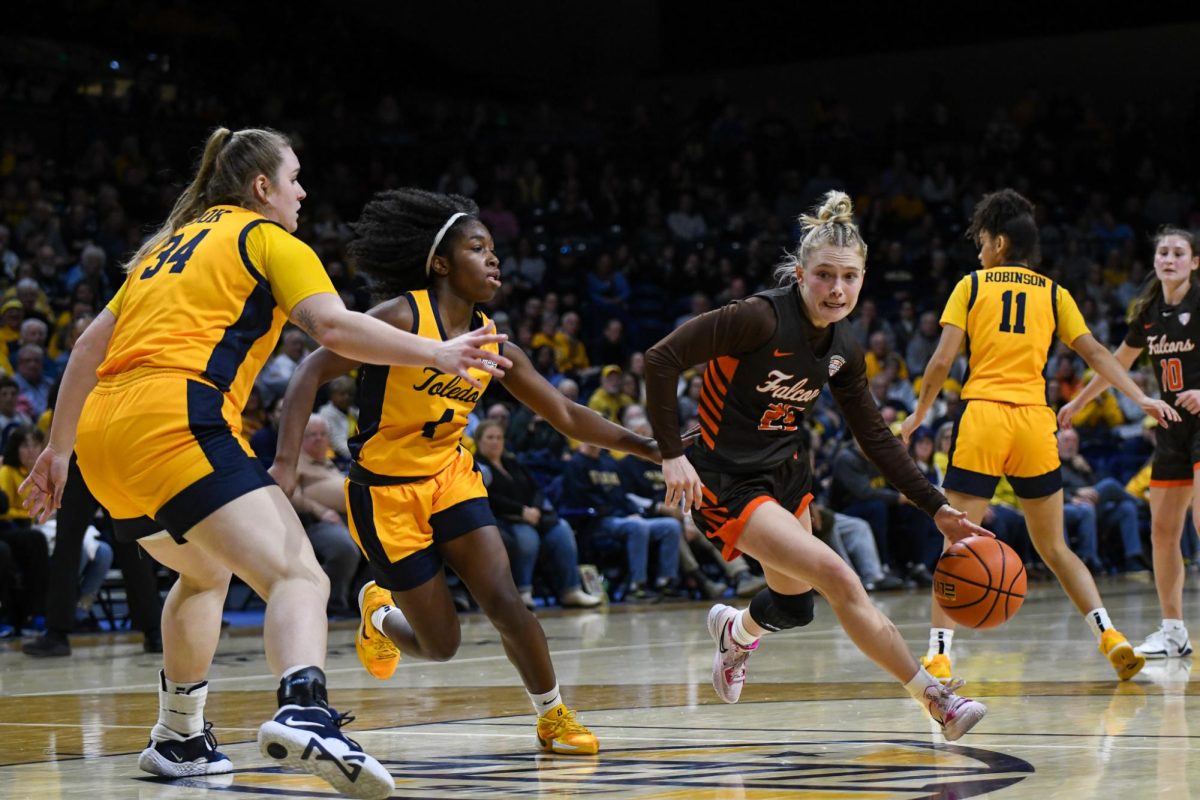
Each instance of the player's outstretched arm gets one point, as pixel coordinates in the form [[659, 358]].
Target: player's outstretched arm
[[1125, 356], [935, 375], [317, 369], [1106, 365], [567, 417], [42, 490]]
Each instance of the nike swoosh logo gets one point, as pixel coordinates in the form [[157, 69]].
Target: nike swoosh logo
[[292, 722], [721, 641], [1147, 325], [364, 631], [779, 354], [565, 746]]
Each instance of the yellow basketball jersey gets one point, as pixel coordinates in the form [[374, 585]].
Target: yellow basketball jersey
[[213, 300], [412, 418], [1011, 315]]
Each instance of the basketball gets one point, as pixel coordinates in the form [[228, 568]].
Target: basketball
[[980, 582]]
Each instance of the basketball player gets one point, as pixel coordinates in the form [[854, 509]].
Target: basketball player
[[1009, 315], [414, 495], [1160, 319], [768, 357], [165, 370]]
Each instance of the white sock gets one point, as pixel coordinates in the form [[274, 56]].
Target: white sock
[[180, 709], [738, 630], [378, 616], [544, 702], [940, 640], [1173, 625], [917, 685], [1098, 619]]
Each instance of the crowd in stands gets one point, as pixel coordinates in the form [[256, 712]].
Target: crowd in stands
[[615, 223]]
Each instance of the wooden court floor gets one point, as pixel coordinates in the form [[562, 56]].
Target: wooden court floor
[[817, 720]]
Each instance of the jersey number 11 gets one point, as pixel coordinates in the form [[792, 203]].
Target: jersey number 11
[[1007, 323]]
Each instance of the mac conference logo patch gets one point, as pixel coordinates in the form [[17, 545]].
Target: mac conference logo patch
[[835, 363]]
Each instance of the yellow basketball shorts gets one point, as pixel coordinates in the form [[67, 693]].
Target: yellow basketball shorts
[[398, 522], [159, 444], [993, 439]]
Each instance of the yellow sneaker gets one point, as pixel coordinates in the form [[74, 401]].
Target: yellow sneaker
[[938, 667], [559, 732], [1119, 652], [376, 651]]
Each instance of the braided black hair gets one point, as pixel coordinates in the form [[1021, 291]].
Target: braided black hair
[[1007, 213], [395, 232]]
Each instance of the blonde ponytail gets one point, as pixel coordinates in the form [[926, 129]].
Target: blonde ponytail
[[230, 163]]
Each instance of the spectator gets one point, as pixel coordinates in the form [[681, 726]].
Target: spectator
[[877, 352], [591, 480], [685, 222], [26, 547], [1100, 506], [859, 490], [852, 539], [340, 415], [320, 501], [526, 268], [608, 400], [572, 355], [529, 524], [923, 343], [275, 376], [611, 347], [31, 378]]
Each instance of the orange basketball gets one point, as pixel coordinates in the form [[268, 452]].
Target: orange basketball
[[980, 582]]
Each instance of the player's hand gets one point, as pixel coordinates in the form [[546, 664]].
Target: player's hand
[[683, 484], [908, 427], [1189, 400], [1160, 410], [1065, 414], [330, 516], [285, 476], [42, 491], [955, 526], [458, 356]]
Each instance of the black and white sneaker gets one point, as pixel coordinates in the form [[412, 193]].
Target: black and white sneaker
[[1165, 644], [185, 759], [310, 738]]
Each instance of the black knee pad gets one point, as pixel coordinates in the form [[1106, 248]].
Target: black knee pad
[[778, 612]]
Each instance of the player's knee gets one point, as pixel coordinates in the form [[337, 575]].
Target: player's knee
[[443, 646], [779, 612]]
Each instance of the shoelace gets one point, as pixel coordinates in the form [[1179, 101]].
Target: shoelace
[[568, 724], [943, 693], [341, 721], [210, 738]]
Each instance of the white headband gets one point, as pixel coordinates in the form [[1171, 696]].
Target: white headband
[[438, 240]]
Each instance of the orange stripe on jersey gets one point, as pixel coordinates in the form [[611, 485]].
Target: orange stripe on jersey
[[726, 366], [1171, 484], [710, 383], [708, 494], [708, 391]]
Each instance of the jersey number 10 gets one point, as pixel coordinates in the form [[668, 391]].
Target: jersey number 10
[[1007, 323], [1172, 375]]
